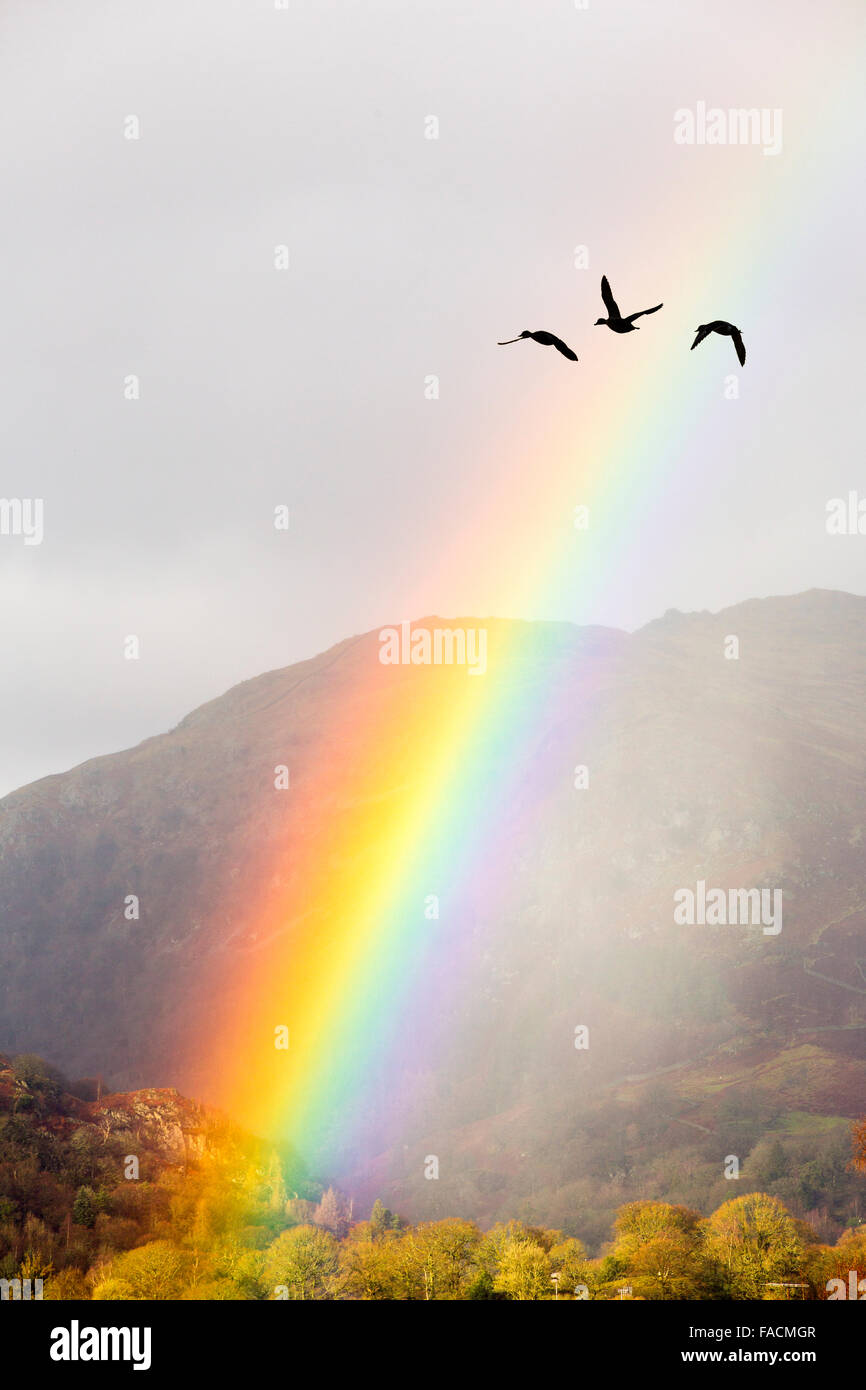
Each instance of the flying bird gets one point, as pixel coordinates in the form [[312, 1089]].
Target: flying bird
[[726, 329], [615, 319], [547, 339]]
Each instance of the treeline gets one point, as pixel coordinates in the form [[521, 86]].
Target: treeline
[[232, 1219]]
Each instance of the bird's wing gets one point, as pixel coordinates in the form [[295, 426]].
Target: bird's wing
[[702, 333], [609, 302], [563, 348], [640, 313], [740, 346]]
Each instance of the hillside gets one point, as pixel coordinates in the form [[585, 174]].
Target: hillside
[[705, 1041], [150, 1196]]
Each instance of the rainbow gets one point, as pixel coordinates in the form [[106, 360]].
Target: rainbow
[[343, 966], [418, 767]]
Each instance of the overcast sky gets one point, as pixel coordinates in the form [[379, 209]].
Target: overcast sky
[[408, 257]]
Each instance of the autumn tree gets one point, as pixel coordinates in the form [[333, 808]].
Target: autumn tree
[[755, 1242], [303, 1260], [659, 1247], [218, 1213], [331, 1214], [523, 1271], [508, 1264], [638, 1222], [277, 1194], [568, 1259], [67, 1284], [494, 1241], [377, 1269], [827, 1262], [442, 1253], [380, 1219], [235, 1264], [154, 1271]]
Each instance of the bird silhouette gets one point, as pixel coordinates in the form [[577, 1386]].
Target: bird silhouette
[[615, 319], [547, 339], [727, 330]]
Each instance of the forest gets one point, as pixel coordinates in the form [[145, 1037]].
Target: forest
[[91, 1204]]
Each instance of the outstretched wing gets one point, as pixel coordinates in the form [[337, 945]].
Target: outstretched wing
[[703, 332], [563, 348], [740, 346], [640, 313], [609, 302]]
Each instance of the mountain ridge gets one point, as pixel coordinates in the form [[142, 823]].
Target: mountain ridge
[[742, 773]]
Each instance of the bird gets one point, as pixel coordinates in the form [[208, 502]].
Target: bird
[[727, 330], [547, 339], [615, 319]]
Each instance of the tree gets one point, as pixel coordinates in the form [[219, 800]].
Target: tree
[[156, 1271], [67, 1284], [36, 1084], [767, 1161], [85, 1147], [827, 1262], [300, 1212], [440, 1256], [638, 1222], [277, 1195], [110, 1290], [84, 1208], [659, 1246], [380, 1219], [524, 1271], [302, 1260], [331, 1214], [568, 1260], [376, 1269], [494, 1242], [235, 1263], [668, 1266], [39, 1075], [755, 1242]]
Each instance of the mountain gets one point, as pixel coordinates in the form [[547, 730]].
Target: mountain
[[705, 1042]]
